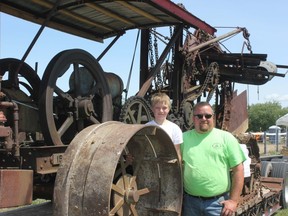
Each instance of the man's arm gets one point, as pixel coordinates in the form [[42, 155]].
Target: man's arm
[[230, 206], [237, 182]]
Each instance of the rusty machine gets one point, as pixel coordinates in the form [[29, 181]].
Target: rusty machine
[[96, 126]]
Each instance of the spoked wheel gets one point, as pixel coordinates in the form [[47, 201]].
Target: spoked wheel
[[68, 107], [26, 77], [96, 178], [136, 110]]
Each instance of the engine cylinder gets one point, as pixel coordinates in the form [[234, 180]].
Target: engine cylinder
[[115, 84]]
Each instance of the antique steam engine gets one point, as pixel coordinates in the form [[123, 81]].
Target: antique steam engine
[[41, 118]]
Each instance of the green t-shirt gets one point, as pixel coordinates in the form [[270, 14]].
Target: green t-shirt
[[207, 161]]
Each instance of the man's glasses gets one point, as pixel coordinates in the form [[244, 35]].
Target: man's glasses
[[207, 116]]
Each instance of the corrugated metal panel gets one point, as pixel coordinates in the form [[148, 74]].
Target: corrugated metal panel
[[98, 20]]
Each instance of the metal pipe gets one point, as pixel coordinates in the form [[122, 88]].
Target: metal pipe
[[108, 47], [214, 40]]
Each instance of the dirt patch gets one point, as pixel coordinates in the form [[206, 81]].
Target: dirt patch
[[270, 148]]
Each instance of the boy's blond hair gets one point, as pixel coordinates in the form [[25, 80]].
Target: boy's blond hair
[[162, 98]]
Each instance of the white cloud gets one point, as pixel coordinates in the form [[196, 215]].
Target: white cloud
[[277, 97]]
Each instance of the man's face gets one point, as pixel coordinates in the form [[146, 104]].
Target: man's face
[[160, 111], [203, 119]]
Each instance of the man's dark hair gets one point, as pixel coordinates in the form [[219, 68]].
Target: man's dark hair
[[201, 104]]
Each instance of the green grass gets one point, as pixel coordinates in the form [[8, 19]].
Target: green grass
[[283, 212], [34, 202]]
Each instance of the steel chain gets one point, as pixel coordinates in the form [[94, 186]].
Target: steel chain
[[151, 50], [209, 75], [158, 79], [246, 35], [215, 82]]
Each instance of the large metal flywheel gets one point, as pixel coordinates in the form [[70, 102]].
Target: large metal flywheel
[[68, 107], [97, 178], [16, 75]]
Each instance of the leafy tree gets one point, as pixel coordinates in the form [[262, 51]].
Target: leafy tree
[[263, 115]]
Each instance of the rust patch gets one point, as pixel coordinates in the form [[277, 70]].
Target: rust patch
[[238, 122], [16, 187]]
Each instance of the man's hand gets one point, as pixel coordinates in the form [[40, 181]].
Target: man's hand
[[229, 207]]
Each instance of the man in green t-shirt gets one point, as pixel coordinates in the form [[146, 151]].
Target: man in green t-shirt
[[209, 154]]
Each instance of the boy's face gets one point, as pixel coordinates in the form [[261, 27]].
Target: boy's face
[[160, 110]]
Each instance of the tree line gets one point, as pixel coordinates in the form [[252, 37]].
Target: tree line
[[263, 115]]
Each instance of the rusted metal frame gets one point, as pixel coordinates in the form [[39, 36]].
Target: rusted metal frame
[[144, 70], [239, 123], [41, 159], [185, 16], [8, 161], [272, 204], [139, 11], [109, 46], [62, 10], [273, 183], [110, 13], [147, 84], [269, 203], [177, 74], [228, 58], [228, 96]]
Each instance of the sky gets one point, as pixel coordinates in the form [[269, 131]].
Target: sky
[[265, 20]]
